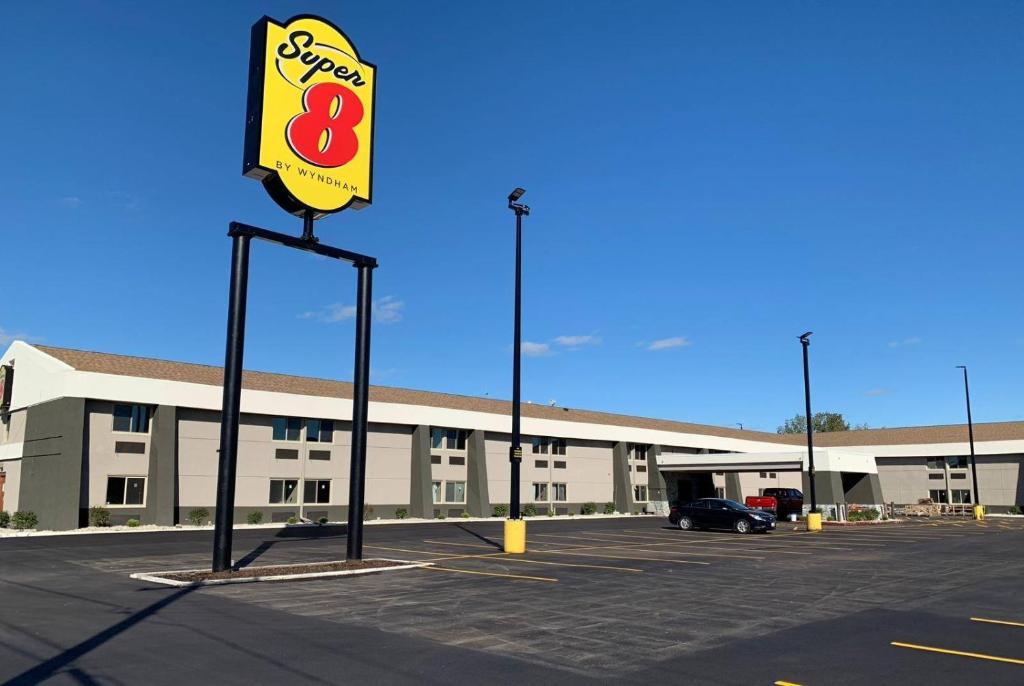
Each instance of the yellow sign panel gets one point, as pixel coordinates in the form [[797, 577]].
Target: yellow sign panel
[[309, 120]]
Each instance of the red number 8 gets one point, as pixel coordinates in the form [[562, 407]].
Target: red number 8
[[306, 130]]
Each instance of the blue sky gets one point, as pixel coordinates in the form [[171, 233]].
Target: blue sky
[[708, 180]]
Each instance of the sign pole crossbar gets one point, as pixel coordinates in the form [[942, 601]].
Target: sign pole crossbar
[[242, 235]]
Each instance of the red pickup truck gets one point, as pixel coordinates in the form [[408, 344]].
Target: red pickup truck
[[781, 501]]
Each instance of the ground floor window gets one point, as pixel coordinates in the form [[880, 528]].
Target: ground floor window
[[938, 495], [558, 491], [283, 491], [540, 493], [316, 491], [126, 490], [720, 492], [455, 491], [640, 494], [436, 487], [961, 496]]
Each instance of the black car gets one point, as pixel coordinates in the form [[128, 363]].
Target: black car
[[719, 513]]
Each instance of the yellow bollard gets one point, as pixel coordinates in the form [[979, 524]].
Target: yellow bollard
[[979, 512], [515, 535], [814, 521]]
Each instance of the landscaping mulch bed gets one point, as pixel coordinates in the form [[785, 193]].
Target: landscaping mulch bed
[[281, 570]]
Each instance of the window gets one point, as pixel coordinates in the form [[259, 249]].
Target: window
[[938, 495], [287, 428], [457, 460], [772, 475], [558, 446], [126, 490], [540, 464], [283, 490], [957, 462], [719, 492], [286, 454], [320, 431], [764, 475], [133, 447], [131, 418], [540, 445], [558, 490], [455, 491], [958, 475], [639, 451], [319, 454], [449, 439], [939, 477], [435, 459], [639, 467], [436, 488], [559, 464], [540, 493], [316, 491], [640, 494], [935, 462], [962, 496]]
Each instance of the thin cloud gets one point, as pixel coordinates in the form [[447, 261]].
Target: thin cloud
[[70, 201], [912, 340], [575, 342], [8, 338], [668, 343], [531, 349], [876, 392], [386, 310]]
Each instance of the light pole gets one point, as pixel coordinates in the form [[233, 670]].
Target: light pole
[[516, 451], [970, 435], [805, 341]]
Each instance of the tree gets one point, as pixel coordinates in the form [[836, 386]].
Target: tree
[[822, 422]]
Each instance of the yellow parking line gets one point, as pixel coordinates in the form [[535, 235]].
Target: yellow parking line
[[434, 556], [435, 568], [961, 653], [997, 621], [785, 683], [461, 545], [621, 557], [568, 564], [704, 544]]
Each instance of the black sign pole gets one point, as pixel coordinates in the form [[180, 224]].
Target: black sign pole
[[515, 456], [231, 407], [241, 235], [805, 341], [360, 404]]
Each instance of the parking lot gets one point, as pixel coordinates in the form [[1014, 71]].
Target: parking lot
[[601, 599]]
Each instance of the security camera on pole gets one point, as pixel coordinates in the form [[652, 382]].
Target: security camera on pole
[[515, 526]]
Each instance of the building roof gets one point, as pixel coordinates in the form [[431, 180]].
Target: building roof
[[125, 365]]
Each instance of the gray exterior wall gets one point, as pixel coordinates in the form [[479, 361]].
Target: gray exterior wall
[[162, 478], [478, 502], [622, 488], [52, 464], [420, 496]]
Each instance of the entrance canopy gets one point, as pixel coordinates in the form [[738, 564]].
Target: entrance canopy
[[825, 460]]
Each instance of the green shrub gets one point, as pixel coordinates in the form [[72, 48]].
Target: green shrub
[[589, 508], [551, 512], [254, 517], [530, 510], [868, 515], [24, 520], [464, 515], [133, 523], [5, 519], [1012, 510], [609, 508], [401, 513], [99, 516], [441, 515], [501, 510], [322, 521], [292, 520], [198, 515]]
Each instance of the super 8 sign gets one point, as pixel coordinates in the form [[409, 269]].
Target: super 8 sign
[[309, 120]]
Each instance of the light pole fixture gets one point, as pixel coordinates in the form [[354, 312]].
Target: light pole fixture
[[970, 435], [805, 341], [516, 450]]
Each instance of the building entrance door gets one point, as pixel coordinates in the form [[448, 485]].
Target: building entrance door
[[3, 484]]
